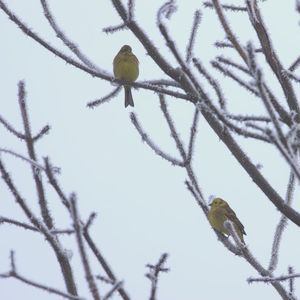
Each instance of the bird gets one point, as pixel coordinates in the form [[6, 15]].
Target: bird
[[126, 67], [219, 212]]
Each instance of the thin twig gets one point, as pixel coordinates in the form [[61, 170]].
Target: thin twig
[[189, 49], [233, 8], [281, 225], [33, 163], [230, 35], [31, 152], [236, 78], [245, 118], [215, 85], [252, 260], [113, 290], [63, 37], [152, 145], [273, 279], [84, 258], [11, 129], [229, 45], [60, 254], [230, 63], [4, 220], [106, 98], [291, 281], [45, 130], [54, 183], [14, 274], [154, 272], [270, 54], [193, 133]]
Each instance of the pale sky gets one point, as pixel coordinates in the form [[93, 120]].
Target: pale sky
[[142, 204]]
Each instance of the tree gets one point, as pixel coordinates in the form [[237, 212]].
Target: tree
[[187, 78]]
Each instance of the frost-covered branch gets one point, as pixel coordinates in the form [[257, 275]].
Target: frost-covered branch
[[281, 225], [38, 167], [13, 273], [273, 279], [89, 240], [4, 220], [32, 154], [106, 98], [152, 145], [63, 37], [154, 272], [82, 251], [230, 35], [253, 261], [53, 241], [233, 8], [190, 46], [270, 54]]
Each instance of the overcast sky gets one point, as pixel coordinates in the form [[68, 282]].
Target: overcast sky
[[142, 204]]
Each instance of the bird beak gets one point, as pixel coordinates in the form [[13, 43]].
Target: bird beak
[[209, 204]]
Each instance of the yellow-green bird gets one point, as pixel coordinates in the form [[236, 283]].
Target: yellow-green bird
[[126, 67], [219, 212]]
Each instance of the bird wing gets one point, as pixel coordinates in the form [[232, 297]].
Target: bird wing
[[230, 214]]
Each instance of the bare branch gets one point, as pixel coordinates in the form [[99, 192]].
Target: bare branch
[[154, 272], [270, 54], [291, 282], [59, 252], [237, 79], [45, 130], [241, 118], [295, 64], [14, 274], [151, 144], [253, 262], [11, 129], [230, 63], [4, 220], [106, 98], [116, 28], [31, 152], [229, 45], [113, 290], [196, 196], [290, 159], [281, 225], [212, 82], [273, 279], [62, 36], [193, 135], [230, 35], [174, 134], [84, 258], [190, 46], [130, 10], [33, 163], [233, 8]]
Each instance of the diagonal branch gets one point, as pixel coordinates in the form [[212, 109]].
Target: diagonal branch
[[53, 241], [270, 54], [62, 36], [84, 258], [31, 152], [14, 274], [154, 273]]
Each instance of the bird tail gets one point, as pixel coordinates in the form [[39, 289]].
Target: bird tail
[[128, 96]]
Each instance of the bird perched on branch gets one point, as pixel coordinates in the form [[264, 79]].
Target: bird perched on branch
[[126, 67], [219, 212]]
